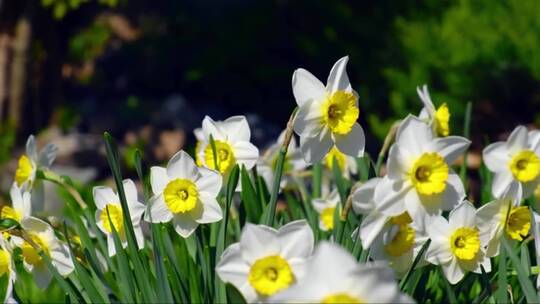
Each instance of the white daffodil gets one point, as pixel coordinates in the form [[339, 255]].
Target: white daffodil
[[516, 161], [536, 233], [347, 164], [32, 160], [184, 194], [437, 119], [420, 179], [327, 116], [266, 165], [7, 269], [395, 239], [21, 206], [231, 141], [109, 210], [42, 234], [326, 207], [502, 213], [266, 261], [457, 245], [334, 276]]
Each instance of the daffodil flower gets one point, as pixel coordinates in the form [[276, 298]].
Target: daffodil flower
[[7, 268], [347, 164], [515, 162], [503, 215], [266, 165], [334, 276], [438, 119], [420, 179], [395, 239], [109, 207], [457, 244], [327, 116], [42, 234], [29, 163], [232, 145], [184, 194], [326, 207], [21, 206], [266, 261]]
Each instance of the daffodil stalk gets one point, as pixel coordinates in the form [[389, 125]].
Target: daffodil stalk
[[348, 203], [270, 215], [388, 140], [50, 176]]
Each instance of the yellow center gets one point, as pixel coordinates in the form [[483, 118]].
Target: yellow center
[[402, 219], [338, 156], [24, 171], [270, 275], [181, 195], [442, 120], [402, 242], [31, 255], [429, 174], [327, 217], [519, 222], [525, 166], [465, 243], [224, 156], [341, 297], [5, 262], [116, 215], [340, 112], [8, 212]]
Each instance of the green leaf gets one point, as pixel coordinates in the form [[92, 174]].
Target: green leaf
[[466, 134], [250, 198], [524, 281], [234, 295], [417, 259]]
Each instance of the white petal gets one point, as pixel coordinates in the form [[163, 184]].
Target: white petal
[[159, 212], [181, 165], [111, 248], [211, 212], [232, 268], [42, 276], [413, 135], [426, 100], [47, 155], [315, 149], [464, 215], [529, 187], [338, 79], [371, 227], [352, 144], [130, 190], [184, 225], [62, 260], [246, 154], [258, 241], [31, 150], [296, 240], [451, 147], [501, 183], [103, 196], [319, 204], [517, 140], [453, 272], [390, 196], [438, 252], [158, 179], [399, 162], [236, 128], [308, 119], [363, 197], [306, 87], [210, 181], [210, 127], [139, 236], [496, 157]]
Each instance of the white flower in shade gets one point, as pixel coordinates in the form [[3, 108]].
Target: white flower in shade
[[536, 233], [457, 245], [42, 234], [184, 194], [438, 119], [7, 268], [266, 165], [232, 145], [420, 179], [347, 164], [494, 216], [32, 160], [516, 161], [334, 276], [109, 210], [21, 206], [266, 261], [327, 116], [395, 239], [326, 207]]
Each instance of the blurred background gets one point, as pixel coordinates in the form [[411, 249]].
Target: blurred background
[[148, 71]]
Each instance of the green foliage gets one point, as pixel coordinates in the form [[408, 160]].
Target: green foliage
[[60, 8]]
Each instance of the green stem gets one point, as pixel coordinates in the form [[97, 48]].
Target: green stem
[[55, 178], [388, 140], [466, 134]]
